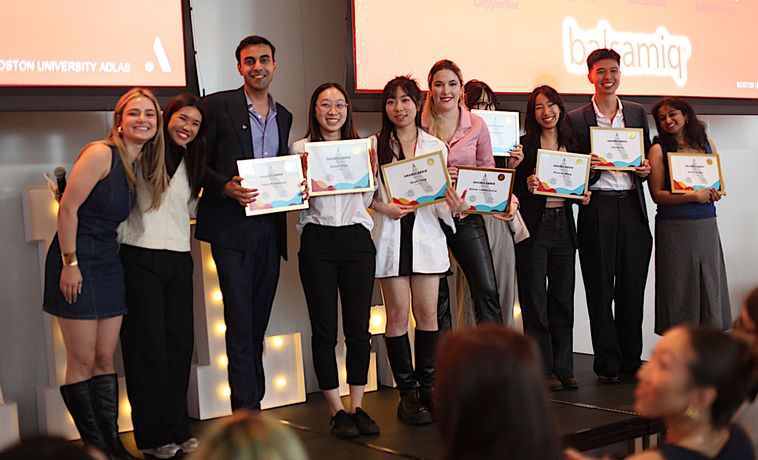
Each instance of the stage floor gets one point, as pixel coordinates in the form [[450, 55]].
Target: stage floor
[[591, 417]]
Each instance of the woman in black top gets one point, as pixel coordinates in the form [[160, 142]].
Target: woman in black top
[[545, 261]]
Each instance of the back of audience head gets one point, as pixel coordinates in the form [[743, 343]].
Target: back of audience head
[[50, 448], [247, 435], [490, 397], [697, 373]]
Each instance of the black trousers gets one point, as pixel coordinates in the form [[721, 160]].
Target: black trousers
[[157, 340], [471, 249], [340, 259], [614, 252], [248, 282], [545, 275]]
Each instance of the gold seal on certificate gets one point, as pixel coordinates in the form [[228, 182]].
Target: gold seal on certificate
[[487, 190], [336, 167], [504, 130], [417, 181], [695, 171], [278, 181], [562, 174], [618, 148]]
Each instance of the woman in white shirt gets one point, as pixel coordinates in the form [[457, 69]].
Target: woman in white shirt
[[411, 254], [337, 253], [157, 335]]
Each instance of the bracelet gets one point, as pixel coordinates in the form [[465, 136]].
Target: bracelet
[[69, 259]]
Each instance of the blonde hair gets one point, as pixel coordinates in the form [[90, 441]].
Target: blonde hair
[[151, 160], [431, 117], [247, 435]]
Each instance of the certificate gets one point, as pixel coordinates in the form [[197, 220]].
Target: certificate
[[695, 171], [336, 167], [418, 181], [504, 130], [562, 174], [278, 181], [488, 190], [618, 148]]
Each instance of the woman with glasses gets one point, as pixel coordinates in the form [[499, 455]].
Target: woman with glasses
[[468, 140], [479, 96], [338, 254], [690, 275]]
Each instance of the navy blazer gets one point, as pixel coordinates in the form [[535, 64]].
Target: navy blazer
[[532, 206], [634, 117], [221, 220]]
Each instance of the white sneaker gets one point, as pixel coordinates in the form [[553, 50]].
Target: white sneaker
[[189, 445], [167, 451]]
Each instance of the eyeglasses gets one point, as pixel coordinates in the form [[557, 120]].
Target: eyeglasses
[[327, 106], [485, 105]]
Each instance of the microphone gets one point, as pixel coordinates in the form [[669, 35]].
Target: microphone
[[60, 178]]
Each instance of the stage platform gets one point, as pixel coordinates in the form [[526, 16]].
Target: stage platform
[[596, 418]]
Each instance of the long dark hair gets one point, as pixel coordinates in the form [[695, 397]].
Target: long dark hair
[[724, 363], [347, 131], [694, 129], [490, 397], [410, 86], [532, 128], [195, 157]]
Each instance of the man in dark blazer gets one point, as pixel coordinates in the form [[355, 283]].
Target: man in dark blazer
[[613, 232], [241, 124]]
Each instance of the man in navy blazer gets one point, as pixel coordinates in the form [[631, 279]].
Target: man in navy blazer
[[242, 124], [613, 233]]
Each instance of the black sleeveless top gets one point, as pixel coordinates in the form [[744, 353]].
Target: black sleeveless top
[[738, 447]]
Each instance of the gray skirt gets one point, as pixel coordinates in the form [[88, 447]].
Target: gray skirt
[[690, 276]]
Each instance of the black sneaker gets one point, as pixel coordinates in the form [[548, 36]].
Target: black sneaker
[[342, 426], [364, 423]]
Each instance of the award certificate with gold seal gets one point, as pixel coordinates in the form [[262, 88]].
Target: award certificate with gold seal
[[620, 149], [562, 174], [418, 181], [336, 167], [695, 171], [278, 181], [487, 190]]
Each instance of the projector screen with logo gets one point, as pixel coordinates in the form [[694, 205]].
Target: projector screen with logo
[[57, 50], [673, 47]]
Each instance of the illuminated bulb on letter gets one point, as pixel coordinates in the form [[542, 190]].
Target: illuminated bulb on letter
[[211, 265], [54, 207], [280, 383], [225, 391], [277, 342], [220, 328], [517, 311], [217, 296], [223, 361], [127, 407], [376, 319]]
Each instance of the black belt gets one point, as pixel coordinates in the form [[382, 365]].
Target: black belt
[[618, 194], [556, 210]]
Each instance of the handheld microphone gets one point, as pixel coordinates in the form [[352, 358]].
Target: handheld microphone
[[60, 178]]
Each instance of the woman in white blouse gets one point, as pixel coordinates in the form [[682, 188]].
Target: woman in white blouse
[[337, 253], [411, 253]]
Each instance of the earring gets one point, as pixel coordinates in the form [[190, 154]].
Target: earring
[[120, 130], [691, 413]]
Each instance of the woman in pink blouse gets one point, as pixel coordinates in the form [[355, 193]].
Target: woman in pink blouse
[[468, 139]]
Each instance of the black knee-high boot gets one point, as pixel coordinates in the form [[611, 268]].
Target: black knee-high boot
[[105, 395], [426, 342], [409, 410], [78, 400]]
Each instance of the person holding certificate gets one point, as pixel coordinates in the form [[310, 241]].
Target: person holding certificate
[[613, 233], [411, 253], [84, 280], [337, 253], [468, 140], [157, 337], [690, 275], [478, 95], [545, 261]]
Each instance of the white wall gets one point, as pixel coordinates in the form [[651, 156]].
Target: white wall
[[310, 40]]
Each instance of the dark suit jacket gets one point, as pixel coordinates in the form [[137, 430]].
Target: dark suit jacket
[[221, 220], [531, 205], [634, 117]]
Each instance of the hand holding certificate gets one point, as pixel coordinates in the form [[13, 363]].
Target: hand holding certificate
[[278, 181], [336, 167], [618, 148], [487, 190], [562, 174], [695, 171], [504, 130], [418, 181]]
